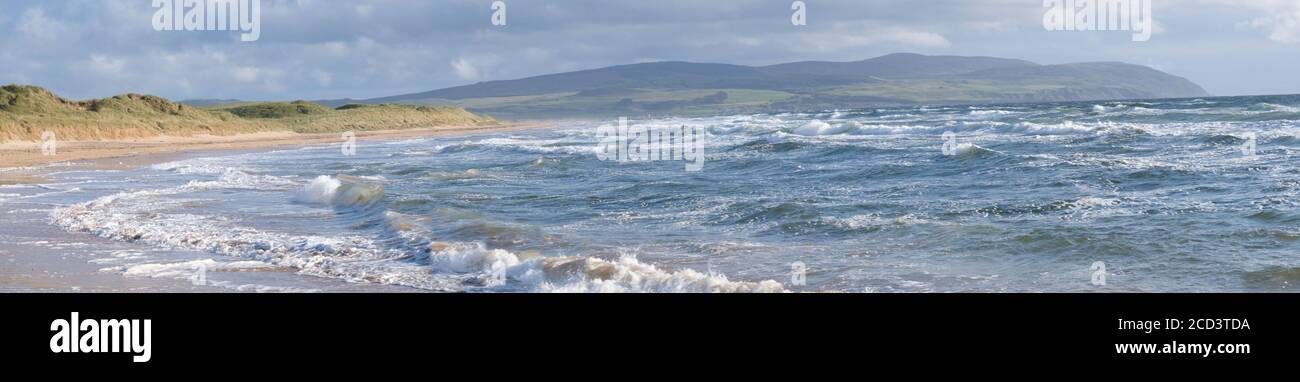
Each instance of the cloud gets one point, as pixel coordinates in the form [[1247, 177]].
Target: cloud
[[322, 77], [104, 65], [1280, 19], [465, 70], [912, 37], [359, 49], [39, 30], [1283, 24], [245, 74], [859, 36]]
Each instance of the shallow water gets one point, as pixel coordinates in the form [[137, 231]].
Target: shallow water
[[1017, 198]]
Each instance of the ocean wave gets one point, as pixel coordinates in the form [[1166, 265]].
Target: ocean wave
[[141, 216], [1272, 107], [877, 129], [872, 222], [237, 179], [342, 191], [971, 151], [472, 173], [983, 127], [130, 217], [991, 114], [192, 166], [133, 217], [817, 127], [1220, 140], [1061, 128], [1274, 277], [533, 145], [576, 274]]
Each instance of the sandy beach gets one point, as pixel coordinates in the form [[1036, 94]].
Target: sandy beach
[[22, 162]]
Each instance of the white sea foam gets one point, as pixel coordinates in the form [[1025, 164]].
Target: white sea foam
[[1063, 128], [969, 149], [341, 191], [1272, 107], [191, 166], [991, 113], [320, 190], [576, 274], [873, 129], [186, 269], [874, 221], [817, 127], [539, 146], [196, 272]]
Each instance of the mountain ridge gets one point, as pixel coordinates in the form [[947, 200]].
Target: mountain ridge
[[680, 87]]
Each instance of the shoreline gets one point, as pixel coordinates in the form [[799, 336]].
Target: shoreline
[[33, 262], [23, 162]]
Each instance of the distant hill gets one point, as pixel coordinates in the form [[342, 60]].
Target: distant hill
[[896, 66], [895, 79], [28, 111]]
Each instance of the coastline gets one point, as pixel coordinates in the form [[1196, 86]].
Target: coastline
[[31, 265], [23, 163]]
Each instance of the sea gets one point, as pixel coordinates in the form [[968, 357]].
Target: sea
[[1169, 195]]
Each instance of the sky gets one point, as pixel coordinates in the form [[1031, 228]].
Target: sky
[[328, 49]]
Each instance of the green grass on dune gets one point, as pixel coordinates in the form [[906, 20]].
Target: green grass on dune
[[276, 109], [28, 111]]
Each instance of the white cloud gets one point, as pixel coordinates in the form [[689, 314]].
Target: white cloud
[[105, 65], [912, 37], [856, 35], [245, 74], [322, 77], [332, 48], [465, 70], [373, 48], [363, 10], [1280, 19], [38, 30], [1283, 24]]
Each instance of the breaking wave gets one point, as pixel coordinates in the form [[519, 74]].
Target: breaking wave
[[132, 217], [342, 191], [866, 198]]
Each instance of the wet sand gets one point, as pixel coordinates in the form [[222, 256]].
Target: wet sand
[[18, 158]]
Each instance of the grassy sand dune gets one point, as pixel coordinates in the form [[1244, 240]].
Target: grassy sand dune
[[26, 112]]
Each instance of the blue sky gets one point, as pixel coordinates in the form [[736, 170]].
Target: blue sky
[[320, 49]]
